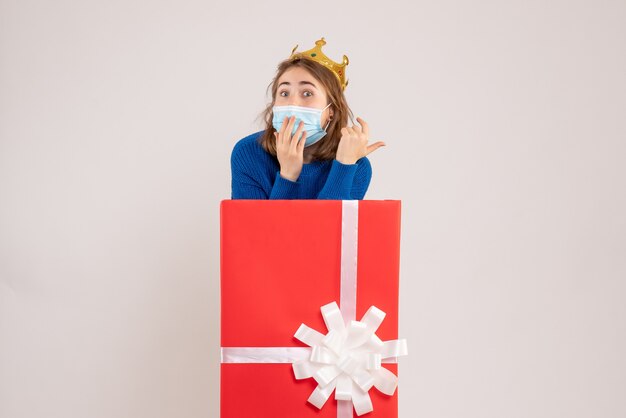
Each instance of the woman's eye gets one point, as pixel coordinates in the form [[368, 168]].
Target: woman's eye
[[285, 93]]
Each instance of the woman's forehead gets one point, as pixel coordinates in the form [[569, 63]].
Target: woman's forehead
[[297, 75]]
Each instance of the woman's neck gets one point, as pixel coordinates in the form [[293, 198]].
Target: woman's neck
[[308, 153]]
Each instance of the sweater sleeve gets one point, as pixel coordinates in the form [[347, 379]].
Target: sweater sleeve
[[284, 189], [347, 181], [245, 182], [244, 186]]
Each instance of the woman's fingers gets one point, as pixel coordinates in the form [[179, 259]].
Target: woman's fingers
[[289, 131], [279, 140], [281, 133], [375, 146], [283, 126], [296, 136], [301, 143], [289, 128], [284, 138], [354, 142], [364, 126]]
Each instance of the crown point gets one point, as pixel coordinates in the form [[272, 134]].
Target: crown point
[[317, 55]]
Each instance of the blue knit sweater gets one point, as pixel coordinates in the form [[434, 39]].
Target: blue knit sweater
[[256, 175]]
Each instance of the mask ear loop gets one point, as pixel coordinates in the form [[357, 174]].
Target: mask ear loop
[[329, 119]]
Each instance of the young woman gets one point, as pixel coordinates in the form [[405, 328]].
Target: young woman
[[307, 150]]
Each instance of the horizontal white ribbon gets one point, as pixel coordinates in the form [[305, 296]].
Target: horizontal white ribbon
[[274, 355], [264, 354]]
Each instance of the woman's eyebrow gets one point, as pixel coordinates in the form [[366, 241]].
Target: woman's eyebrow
[[302, 82]]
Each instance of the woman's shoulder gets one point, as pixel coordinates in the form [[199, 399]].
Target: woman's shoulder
[[249, 143], [248, 150]]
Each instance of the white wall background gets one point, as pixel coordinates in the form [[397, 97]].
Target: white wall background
[[506, 142]]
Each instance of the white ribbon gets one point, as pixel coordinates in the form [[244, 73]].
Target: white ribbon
[[347, 360], [349, 250]]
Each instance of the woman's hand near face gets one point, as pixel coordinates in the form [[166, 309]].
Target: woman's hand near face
[[290, 150], [353, 143]]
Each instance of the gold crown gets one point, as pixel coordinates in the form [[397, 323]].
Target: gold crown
[[317, 55]]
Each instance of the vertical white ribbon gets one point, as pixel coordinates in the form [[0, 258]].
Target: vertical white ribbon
[[349, 252]]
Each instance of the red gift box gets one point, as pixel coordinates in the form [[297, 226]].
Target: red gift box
[[281, 260]]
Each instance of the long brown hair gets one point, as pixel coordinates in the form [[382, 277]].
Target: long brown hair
[[327, 148]]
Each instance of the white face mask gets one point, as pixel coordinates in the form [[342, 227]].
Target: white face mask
[[310, 116]]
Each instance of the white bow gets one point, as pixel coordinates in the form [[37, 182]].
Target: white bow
[[348, 359]]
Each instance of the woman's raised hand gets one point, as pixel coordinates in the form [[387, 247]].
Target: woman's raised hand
[[353, 143], [290, 149]]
